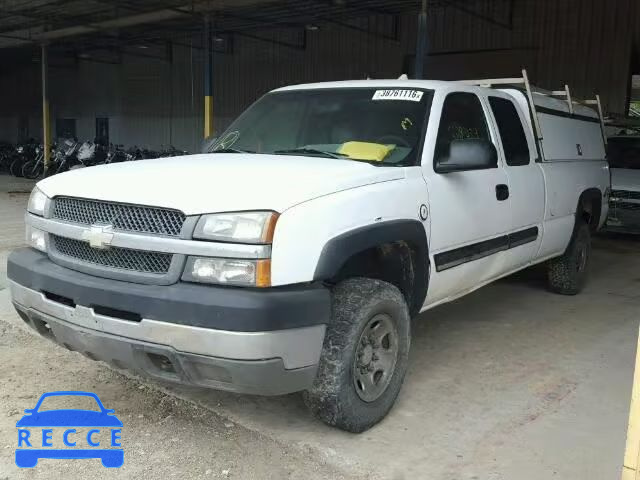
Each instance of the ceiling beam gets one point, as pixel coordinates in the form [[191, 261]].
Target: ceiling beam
[[121, 22]]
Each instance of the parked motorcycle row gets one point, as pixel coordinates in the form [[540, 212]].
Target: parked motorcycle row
[[27, 159]]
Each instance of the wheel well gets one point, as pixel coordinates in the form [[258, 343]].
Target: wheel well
[[399, 263], [590, 208]]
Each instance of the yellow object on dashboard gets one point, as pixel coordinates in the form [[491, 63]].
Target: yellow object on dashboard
[[366, 151]]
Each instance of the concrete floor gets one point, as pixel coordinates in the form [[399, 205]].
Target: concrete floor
[[509, 382]]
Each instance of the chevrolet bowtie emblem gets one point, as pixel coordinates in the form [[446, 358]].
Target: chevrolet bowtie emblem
[[99, 236]]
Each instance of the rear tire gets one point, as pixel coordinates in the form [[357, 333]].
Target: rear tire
[[567, 275], [364, 356]]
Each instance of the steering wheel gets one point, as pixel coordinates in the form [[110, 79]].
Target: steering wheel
[[393, 139]]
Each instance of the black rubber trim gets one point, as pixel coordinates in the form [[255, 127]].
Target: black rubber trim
[[339, 249], [469, 253], [476, 251], [207, 306], [523, 237], [561, 113]]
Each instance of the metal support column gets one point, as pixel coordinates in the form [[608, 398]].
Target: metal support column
[[208, 79], [421, 45], [46, 118]]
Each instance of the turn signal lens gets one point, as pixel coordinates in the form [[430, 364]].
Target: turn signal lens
[[36, 239]]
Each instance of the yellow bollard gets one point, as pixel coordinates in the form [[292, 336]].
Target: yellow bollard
[[631, 463]]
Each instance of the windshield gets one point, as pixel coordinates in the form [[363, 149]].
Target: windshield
[[624, 152], [381, 126]]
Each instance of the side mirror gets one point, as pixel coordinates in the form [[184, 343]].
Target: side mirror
[[468, 154]]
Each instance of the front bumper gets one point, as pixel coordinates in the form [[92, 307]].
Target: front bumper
[[85, 314], [624, 220]]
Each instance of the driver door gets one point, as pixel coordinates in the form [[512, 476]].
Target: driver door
[[470, 210]]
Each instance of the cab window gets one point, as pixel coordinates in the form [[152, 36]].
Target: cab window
[[514, 141], [462, 118]]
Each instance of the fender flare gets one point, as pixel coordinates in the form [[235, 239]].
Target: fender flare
[[594, 196], [341, 248]]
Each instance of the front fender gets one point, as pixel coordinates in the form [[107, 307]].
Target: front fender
[[305, 246]]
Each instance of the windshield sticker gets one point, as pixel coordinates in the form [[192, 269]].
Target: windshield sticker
[[227, 141], [407, 95], [406, 123]]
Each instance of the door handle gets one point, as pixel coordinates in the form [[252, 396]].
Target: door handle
[[502, 192]]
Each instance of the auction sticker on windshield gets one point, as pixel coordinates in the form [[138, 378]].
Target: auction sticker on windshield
[[409, 95]]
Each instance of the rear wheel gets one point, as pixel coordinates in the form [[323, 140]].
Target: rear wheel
[[568, 274], [364, 356]]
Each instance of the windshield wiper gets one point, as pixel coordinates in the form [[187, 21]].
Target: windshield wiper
[[231, 150], [310, 151]]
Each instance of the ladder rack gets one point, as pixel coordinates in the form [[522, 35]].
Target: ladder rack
[[529, 91]]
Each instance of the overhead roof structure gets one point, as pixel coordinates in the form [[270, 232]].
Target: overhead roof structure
[[25, 22]]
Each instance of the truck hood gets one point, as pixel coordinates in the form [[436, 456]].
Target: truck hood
[[625, 179], [206, 183]]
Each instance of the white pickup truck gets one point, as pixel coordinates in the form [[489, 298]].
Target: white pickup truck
[[293, 257]]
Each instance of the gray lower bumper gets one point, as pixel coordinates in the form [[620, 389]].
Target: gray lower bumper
[[265, 363], [624, 220]]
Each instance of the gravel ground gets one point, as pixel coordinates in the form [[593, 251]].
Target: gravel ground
[[162, 435]]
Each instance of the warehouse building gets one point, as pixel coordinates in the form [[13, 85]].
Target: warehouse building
[[136, 73]]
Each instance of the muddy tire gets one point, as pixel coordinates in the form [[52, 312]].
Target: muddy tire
[[364, 356], [568, 274]]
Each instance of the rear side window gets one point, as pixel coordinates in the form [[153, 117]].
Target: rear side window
[[462, 118], [514, 140]]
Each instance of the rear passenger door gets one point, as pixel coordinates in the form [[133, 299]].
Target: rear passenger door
[[526, 181]]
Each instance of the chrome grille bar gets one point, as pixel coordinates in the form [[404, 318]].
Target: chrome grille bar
[[119, 258], [123, 217]]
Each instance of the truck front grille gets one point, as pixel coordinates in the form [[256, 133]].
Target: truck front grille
[[625, 195], [114, 257], [123, 217], [627, 206]]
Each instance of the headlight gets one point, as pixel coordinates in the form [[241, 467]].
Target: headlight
[[37, 202], [242, 227], [228, 271], [36, 238]]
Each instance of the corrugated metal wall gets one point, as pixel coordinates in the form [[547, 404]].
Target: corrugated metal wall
[[151, 102], [588, 44]]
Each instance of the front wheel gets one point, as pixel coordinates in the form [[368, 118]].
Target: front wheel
[[364, 356], [568, 274]]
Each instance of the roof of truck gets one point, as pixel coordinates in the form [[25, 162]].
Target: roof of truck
[[539, 97], [368, 83]]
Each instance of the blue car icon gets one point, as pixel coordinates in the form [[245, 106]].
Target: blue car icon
[[37, 422]]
